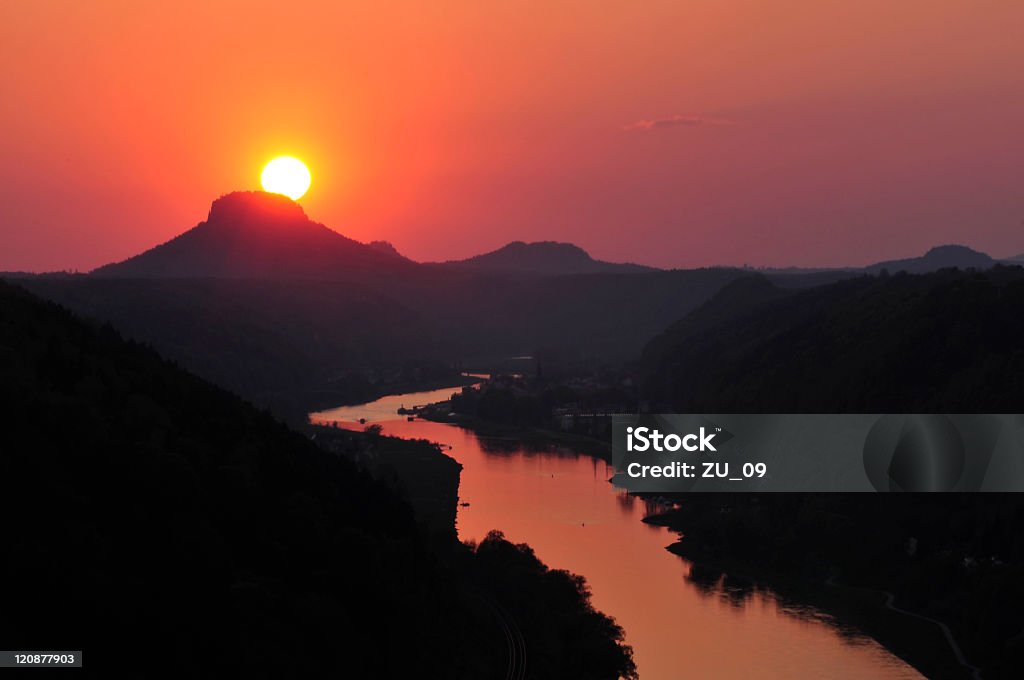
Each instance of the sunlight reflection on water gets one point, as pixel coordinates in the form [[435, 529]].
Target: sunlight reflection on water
[[682, 621]]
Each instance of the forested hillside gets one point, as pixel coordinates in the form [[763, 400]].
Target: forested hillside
[[157, 522], [947, 342]]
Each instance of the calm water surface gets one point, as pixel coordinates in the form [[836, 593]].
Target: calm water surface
[[563, 506]]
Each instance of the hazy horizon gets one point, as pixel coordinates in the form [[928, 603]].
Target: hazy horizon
[[670, 134]]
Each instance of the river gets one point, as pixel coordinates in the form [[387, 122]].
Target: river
[[561, 504]]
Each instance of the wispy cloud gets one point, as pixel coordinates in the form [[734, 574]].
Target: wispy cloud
[[677, 121]]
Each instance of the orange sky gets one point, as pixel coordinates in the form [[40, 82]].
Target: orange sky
[[776, 133]]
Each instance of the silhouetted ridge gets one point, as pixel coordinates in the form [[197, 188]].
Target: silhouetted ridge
[[947, 341], [735, 299], [939, 257], [385, 247], [254, 234], [542, 258], [254, 208]]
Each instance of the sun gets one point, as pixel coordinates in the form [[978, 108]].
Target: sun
[[286, 175]]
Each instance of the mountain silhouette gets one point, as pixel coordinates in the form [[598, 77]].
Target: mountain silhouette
[[939, 257], [260, 235], [387, 248], [255, 234], [544, 258], [262, 300]]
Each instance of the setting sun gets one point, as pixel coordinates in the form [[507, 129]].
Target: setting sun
[[286, 175]]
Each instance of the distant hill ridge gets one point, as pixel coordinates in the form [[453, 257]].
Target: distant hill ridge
[[544, 258], [255, 234], [939, 257]]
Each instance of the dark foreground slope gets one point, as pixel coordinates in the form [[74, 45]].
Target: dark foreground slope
[[165, 527], [946, 342], [284, 344]]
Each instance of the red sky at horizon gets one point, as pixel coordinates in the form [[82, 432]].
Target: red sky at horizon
[[669, 133]]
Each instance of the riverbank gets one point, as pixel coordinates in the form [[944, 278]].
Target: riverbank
[[507, 593], [852, 610], [416, 469], [920, 641], [932, 577], [550, 489], [328, 398]]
